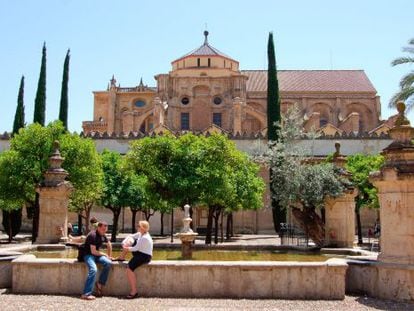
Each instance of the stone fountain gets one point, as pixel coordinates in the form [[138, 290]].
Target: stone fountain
[[187, 236], [53, 201]]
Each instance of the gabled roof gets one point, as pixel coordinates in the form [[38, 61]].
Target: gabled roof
[[312, 81], [205, 50]]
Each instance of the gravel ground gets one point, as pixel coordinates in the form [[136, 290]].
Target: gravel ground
[[43, 302]]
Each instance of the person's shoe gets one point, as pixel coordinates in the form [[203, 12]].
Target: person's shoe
[[118, 259], [98, 290], [132, 296], [88, 297]]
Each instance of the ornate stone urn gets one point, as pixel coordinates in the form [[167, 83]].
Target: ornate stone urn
[[187, 236]]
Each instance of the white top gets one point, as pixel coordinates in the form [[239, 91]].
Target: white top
[[144, 243]]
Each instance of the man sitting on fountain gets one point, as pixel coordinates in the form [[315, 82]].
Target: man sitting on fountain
[[94, 241]]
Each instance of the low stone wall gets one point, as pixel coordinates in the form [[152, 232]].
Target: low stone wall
[[381, 280], [190, 279], [6, 258]]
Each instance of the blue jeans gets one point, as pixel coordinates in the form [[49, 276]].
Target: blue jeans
[[91, 261]]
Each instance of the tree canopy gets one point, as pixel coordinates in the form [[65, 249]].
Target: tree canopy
[[406, 91], [22, 167], [300, 185]]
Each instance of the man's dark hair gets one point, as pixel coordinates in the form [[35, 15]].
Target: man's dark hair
[[102, 223]]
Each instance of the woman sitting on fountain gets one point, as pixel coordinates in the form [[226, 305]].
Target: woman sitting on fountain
[[141, 245]]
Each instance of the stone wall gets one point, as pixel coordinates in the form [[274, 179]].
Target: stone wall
[[188, 279], [381, 280]]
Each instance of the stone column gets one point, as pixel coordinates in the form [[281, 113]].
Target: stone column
[[340, 211], [238, 105], [340, 220], [127, 122], [395, 184], [53, 200]]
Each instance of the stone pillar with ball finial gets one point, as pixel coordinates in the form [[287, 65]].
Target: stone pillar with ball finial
[[340, 211], [395, 184], [54, 194]]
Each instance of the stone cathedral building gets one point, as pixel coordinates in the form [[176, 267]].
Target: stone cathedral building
[[206, 88], [207, 91]]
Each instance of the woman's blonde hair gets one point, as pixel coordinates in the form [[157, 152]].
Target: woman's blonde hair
[[144, 224]]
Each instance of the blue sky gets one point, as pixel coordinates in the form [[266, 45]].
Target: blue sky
[[134, 39]]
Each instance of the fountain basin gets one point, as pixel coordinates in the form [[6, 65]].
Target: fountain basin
[[190, 279]]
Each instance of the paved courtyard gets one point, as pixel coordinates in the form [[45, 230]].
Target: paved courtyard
[[44, 303], [10, 301]]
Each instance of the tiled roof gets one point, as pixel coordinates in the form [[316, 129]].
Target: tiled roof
[[312, 81], [205, 50]]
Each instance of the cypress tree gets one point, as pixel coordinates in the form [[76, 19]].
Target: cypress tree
[[273, 116], [19, 116], [40, 100], [64, 102], [273, 99]]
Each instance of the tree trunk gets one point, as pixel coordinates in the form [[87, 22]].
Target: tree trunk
[[221, 228], [209, 225], [359, 226], [162, 224], [36, 212], [9, 219], [228, 226], [216, 224], [278, 213], [134, 219], [80, 225], [148, 214], [172, 225], [312, 223], [323, 215], [116, 212], [88, 209]]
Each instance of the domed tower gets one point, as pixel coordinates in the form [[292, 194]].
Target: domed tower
[[202, 89]]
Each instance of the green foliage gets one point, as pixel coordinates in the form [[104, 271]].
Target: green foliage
[[64, 101], [407, 81], [84, 165], [198, 170], [40, 100], [121, 187], [273, 98], [360, 166], [154, 158], [27, 160], [273, 123], [19, 116], [115, 182], [22, 167], [296, 181]]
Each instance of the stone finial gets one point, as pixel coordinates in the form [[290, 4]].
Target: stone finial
[[55, 173], [337, 149], [205, 37], [113, 81], [402, 133], [401, 119]]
